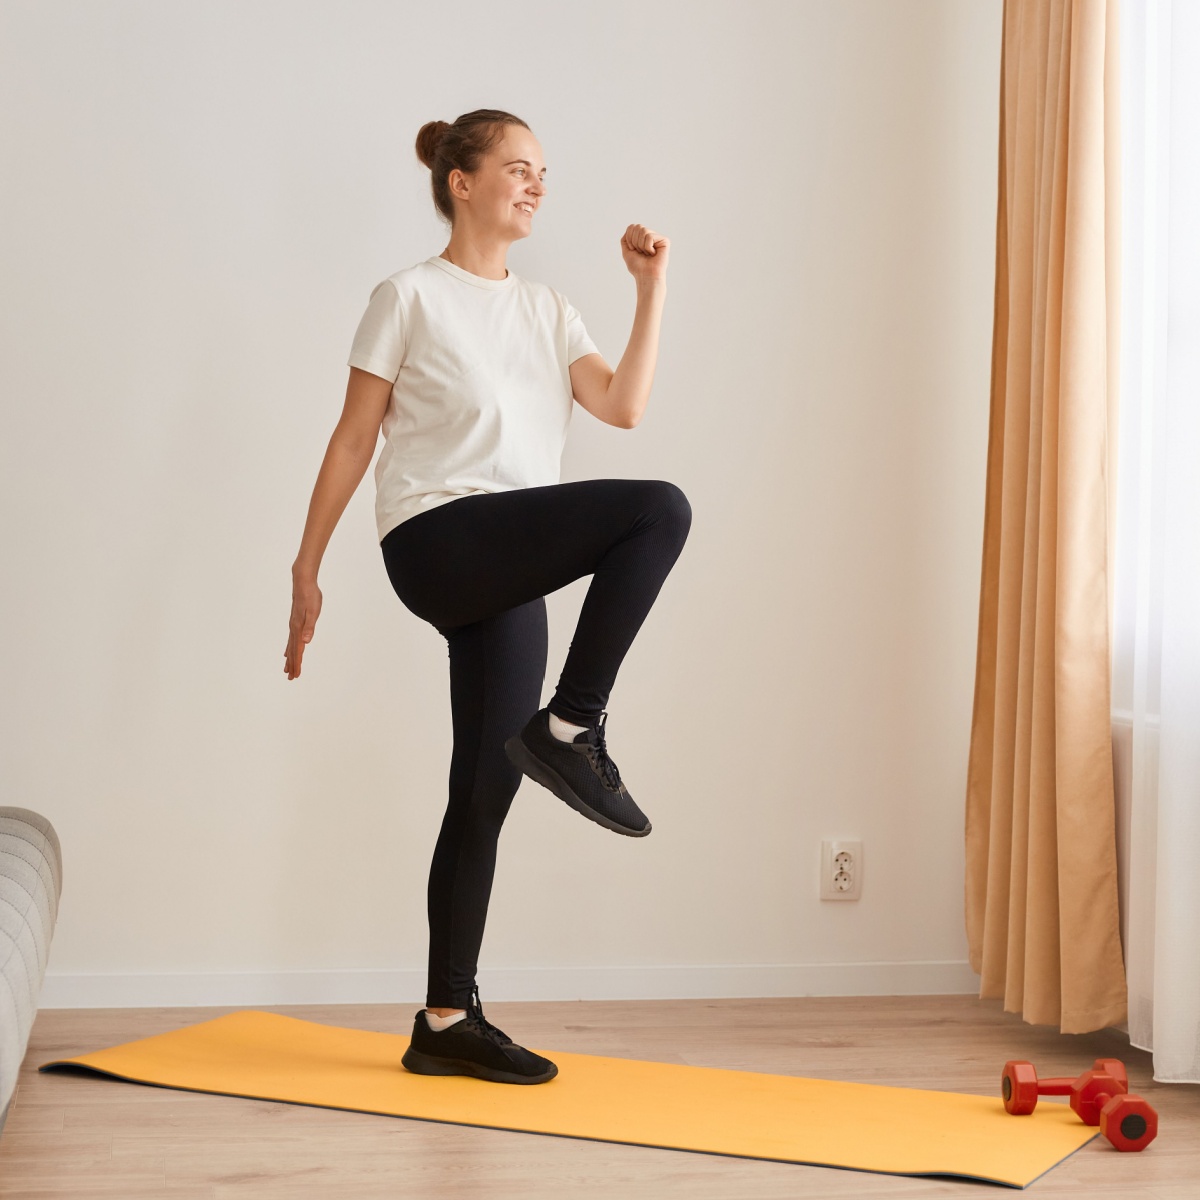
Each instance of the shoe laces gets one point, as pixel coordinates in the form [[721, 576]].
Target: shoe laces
[[597, 753], [477, 1021]]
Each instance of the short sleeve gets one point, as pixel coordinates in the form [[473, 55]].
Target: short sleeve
[[578, 342], [379, 341]]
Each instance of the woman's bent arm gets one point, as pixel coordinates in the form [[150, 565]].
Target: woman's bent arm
[[619, 397], [346, 461]]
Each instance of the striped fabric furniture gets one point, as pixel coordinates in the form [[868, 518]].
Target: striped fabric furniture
[[30, 886]]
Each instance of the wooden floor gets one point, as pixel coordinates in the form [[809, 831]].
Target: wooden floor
[[79, 1137]]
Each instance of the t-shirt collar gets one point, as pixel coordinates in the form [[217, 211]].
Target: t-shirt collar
[[466, 276]]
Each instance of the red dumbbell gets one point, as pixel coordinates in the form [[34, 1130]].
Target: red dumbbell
[[1099, 1097]]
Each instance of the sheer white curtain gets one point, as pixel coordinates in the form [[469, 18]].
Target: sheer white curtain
[[1156, 643]]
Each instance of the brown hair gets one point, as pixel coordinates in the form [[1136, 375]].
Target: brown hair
[[442, 147]]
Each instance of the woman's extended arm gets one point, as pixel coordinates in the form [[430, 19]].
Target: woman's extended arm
[[351, 448]]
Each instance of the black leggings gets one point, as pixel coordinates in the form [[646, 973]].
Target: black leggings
[[478, 568]]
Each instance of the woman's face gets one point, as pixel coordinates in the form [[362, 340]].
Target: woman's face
[[507, 190]]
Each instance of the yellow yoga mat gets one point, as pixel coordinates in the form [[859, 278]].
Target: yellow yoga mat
[[900, 1131]]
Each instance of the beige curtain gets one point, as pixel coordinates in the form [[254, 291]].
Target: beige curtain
[[1041, 872]]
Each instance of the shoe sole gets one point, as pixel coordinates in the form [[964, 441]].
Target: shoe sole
[[427, 1064], [521, 756]]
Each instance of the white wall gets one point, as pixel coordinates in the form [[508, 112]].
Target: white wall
[[198, 201]]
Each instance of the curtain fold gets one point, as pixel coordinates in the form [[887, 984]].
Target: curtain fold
[[1041, 882]]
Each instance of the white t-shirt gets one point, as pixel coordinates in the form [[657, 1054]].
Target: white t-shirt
[[481, 394]]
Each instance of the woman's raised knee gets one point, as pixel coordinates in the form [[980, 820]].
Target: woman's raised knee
[[672, 505]]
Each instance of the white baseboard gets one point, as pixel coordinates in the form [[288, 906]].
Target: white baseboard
[[270, 988]]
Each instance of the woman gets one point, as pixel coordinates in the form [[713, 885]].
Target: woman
[[472, 371]]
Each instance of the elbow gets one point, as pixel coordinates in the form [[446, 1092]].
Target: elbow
[[355, 446], [626, 416], [619, 410]]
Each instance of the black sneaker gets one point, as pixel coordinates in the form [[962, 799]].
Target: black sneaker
[[579, 772], [473, 1046]]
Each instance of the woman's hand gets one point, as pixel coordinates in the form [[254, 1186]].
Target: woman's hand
[[645, 253], [306, 607]]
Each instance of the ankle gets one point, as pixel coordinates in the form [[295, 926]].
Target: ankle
[[564, 731], [444, 1012]]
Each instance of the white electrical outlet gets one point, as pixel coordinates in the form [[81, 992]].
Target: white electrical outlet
[[841, 870]]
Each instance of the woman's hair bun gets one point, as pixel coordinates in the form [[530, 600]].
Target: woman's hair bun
[[428, 137]]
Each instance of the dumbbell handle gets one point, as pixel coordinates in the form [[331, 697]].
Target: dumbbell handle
[[1055, 1087], [1064, 1087]]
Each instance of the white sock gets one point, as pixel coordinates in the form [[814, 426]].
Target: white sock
[[564, 730], [437, 1024]]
